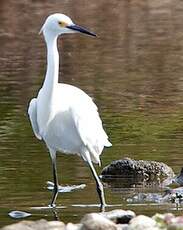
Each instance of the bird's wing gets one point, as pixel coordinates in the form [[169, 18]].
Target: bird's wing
[[89, 127], [32, 111]]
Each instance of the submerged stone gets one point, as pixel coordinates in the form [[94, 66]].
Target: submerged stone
[[174, 195], [179, 179], [145, 197], [19, 214]]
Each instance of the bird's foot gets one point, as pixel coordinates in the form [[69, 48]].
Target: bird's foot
[[52, 205], [102, 207], [62, 189]]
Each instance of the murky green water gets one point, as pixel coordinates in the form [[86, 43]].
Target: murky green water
[[134, 72]]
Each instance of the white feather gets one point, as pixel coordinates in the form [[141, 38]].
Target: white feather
[[74, 124], [32, 111]]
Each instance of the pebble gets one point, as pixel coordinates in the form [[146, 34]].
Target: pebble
[[71, 226], [95, 221], [119, 216], [36, 225], [113, 220], [142, 222]]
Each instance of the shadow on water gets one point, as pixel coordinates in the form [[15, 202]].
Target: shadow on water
[[133, 71]]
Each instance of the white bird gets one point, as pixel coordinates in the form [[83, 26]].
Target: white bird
[[64, 116]]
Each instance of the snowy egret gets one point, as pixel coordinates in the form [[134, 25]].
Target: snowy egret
[[64, 116]]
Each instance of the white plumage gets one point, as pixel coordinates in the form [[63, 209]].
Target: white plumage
[[62, 115]]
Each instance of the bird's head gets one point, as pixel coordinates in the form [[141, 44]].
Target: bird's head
[[58, 24]]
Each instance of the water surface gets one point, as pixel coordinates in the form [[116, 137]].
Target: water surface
[[133, 71]]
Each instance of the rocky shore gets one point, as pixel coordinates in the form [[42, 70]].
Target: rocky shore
[[114, 220], [146, 171]]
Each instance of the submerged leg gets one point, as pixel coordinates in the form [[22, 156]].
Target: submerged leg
[[55, 178], [99, 185]]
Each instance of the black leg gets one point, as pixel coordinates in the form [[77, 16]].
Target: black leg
[[99, 186], [55, 179]]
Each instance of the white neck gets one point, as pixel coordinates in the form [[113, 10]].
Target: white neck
[[51, 78]]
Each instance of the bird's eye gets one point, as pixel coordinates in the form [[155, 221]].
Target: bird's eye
[[62, 24]]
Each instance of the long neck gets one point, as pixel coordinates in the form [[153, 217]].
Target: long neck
[[52, 72]]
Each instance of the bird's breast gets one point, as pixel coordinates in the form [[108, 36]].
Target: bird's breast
[[61, 133]]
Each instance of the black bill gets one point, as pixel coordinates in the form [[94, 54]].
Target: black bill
[[81, 30]]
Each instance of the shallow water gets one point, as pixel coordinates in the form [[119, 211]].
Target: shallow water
[[133, 70]]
